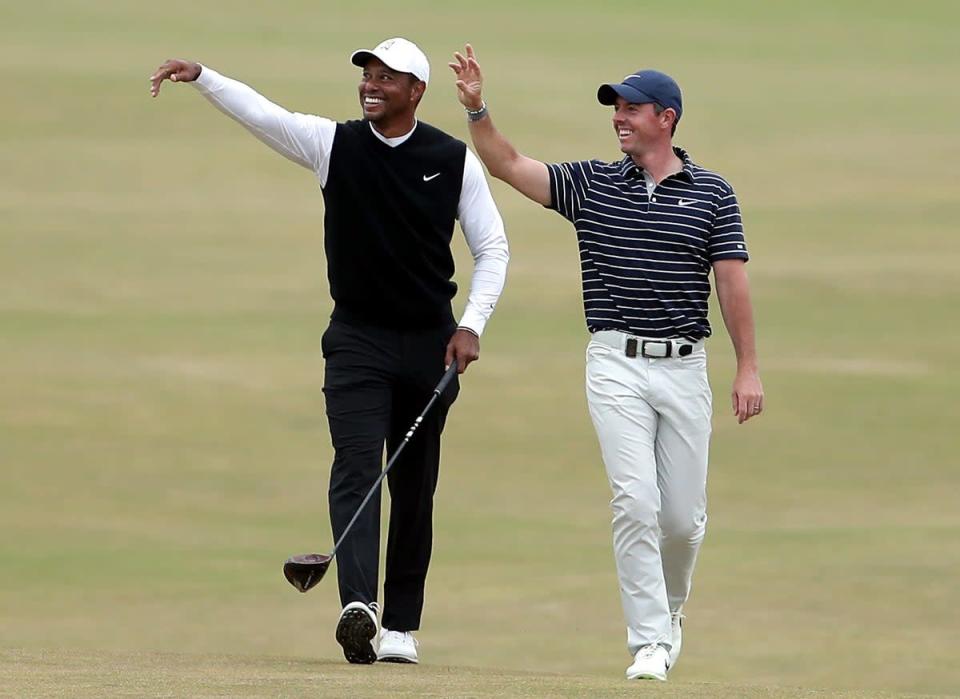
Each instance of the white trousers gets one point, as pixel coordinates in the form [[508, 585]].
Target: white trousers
[[652, 417]]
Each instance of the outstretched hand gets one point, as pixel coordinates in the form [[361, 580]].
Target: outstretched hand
[[176, 71], [469, 79]]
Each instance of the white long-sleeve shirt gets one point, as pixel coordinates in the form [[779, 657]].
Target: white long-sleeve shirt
[[308, 140]]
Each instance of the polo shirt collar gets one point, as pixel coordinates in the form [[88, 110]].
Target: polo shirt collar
[[687, 164], [627, 165]]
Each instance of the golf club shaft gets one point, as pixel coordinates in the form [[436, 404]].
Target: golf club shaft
[[447, 377]]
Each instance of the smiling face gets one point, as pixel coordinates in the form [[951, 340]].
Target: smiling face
[[639, 128], [388, 97]]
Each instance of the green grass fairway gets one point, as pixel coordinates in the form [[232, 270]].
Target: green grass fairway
[[163, 445], [173, 675]]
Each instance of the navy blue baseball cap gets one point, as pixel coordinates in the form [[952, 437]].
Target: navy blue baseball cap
[[643, 87]]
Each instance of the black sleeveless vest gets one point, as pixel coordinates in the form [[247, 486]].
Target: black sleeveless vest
[[390, 214]]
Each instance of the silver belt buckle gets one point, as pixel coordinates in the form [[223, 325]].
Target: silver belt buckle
[[656, 349]]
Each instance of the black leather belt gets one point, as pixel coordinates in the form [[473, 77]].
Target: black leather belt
[[657, 349]]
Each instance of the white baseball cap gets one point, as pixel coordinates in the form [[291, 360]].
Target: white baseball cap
[[399, 54]]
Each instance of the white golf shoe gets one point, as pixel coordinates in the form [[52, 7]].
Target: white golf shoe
[[676, 637], [355, 632], [650, 663], [397, 647]]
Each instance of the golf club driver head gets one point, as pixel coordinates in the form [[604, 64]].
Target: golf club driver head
[[306, 570]]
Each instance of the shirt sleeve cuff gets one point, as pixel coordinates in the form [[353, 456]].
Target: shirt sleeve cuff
[[731, 255], [207, 80], [472, 321]]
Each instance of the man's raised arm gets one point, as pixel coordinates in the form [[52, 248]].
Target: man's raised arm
[[528, 176], [303, 138]]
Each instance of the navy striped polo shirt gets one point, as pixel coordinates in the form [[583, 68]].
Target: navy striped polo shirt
[[646, 259]]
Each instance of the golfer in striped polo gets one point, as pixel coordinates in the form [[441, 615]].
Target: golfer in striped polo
[[650, 228]]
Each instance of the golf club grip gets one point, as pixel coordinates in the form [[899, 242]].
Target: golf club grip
[[444, 382], [447, 378]]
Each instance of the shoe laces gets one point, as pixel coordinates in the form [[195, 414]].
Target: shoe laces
[[402, 636], [648, 652]]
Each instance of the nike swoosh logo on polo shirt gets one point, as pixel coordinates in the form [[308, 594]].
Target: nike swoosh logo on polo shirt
[[686, 202], [427, 179]]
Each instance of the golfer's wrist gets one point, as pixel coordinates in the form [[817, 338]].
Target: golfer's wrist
[[748, 368], [478, 113]]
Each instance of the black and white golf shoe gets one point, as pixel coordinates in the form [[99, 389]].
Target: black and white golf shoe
[[355, 632]]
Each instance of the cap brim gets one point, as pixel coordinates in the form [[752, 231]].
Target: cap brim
[[361, 56], [607, 94]]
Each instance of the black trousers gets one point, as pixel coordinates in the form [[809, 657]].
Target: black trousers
[[377, 381]]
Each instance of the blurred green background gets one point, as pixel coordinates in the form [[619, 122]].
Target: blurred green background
[[163, 445]]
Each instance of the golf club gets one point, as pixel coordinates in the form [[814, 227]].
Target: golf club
[[307, 569]]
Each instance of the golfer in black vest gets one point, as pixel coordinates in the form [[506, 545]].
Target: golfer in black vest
[[393, 188]]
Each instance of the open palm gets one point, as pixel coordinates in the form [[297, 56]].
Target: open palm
[[469, 78]]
